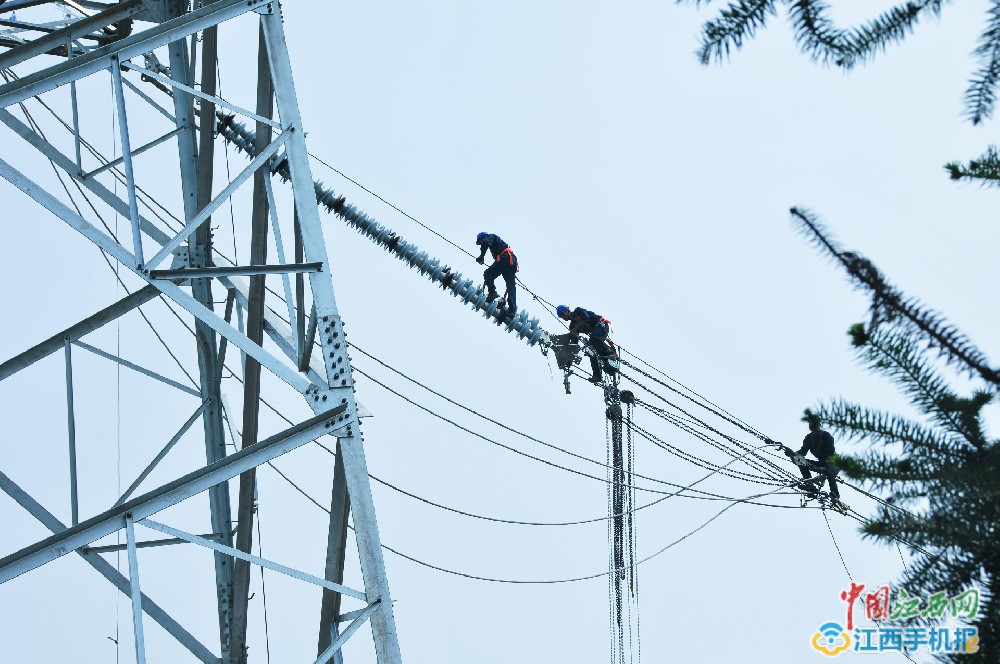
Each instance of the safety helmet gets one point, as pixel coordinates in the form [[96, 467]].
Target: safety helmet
[[561, 309], [479, 238]]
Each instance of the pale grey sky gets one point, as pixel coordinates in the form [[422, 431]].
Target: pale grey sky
[[629, 180]]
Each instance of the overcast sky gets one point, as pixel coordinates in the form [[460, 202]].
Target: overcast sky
[[629, 180]]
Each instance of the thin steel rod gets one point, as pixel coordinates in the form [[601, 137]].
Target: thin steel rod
[[71, 428], [108, 571], [201, 95], [112, 520], [133, 205], [236, 270], [116, 251], [136, 152], [24, 4], [306, 357], [336, 551], [285, 281], [350, 615], [236, 337], [148, 544], [135, 367], [80, 28], [76, 111], [65, 163], [159, 457], [48, 79], [251, 375], [256, 560], [133, 572], [277, 331], [299, 326], [74, 332], [196, 186], [149, 100], [224, 342], [207, 211], [327, 654]]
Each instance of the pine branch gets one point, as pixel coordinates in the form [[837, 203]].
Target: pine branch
[[885, 471], [816, 34], [889, 304], [891, 26], [985, 170], [981, 95], [895, 355], [878, 427], [736, 23]]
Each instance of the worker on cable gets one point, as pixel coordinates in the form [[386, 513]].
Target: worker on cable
[[584, 321], [820, 444], [504, 264]]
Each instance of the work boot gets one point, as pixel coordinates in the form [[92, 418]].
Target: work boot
[[596, 378], [492, 295]]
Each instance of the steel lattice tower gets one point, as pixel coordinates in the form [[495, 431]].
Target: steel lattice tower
[[308, 353]]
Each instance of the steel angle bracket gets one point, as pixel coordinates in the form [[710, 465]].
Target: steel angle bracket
[[343, 425], [280, 333], [330, 333]]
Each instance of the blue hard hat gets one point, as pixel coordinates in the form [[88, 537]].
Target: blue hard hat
[[561, 309], [479, 238]]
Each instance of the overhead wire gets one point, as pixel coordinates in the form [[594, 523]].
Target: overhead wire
[[191, 331], [763, 464], [37, 128], [733, 502], [489, 419], [717, 409], [704, 402], [712, 407], [549, 306], [850, 576], [702, 495], [642, 432]]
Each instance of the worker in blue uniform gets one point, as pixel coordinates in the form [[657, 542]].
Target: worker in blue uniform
[[820, 444], [584, 321], [504, 265]]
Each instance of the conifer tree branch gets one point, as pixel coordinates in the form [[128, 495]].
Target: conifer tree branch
[[984, 171], [893, 354], [736, 23], [893, 25], [981, 95], [878, 427], [816, 35], [888, 303]]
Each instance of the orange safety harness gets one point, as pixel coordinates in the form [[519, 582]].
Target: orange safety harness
[[510, 257]]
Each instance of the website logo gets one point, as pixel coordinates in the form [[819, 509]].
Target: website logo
[[901, 622], [831, 639]]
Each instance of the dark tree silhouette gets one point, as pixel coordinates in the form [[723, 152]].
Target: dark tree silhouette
[[939, 477], [820, 39]]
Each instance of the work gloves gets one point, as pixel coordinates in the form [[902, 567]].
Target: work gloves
[[481, 260]]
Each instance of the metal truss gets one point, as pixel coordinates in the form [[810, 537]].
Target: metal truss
[[180, 267]]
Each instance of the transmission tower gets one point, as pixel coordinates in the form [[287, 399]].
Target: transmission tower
[[149, 51]]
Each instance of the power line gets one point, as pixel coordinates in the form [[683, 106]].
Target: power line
[[705, 495], [476, 577], [499, 424]]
